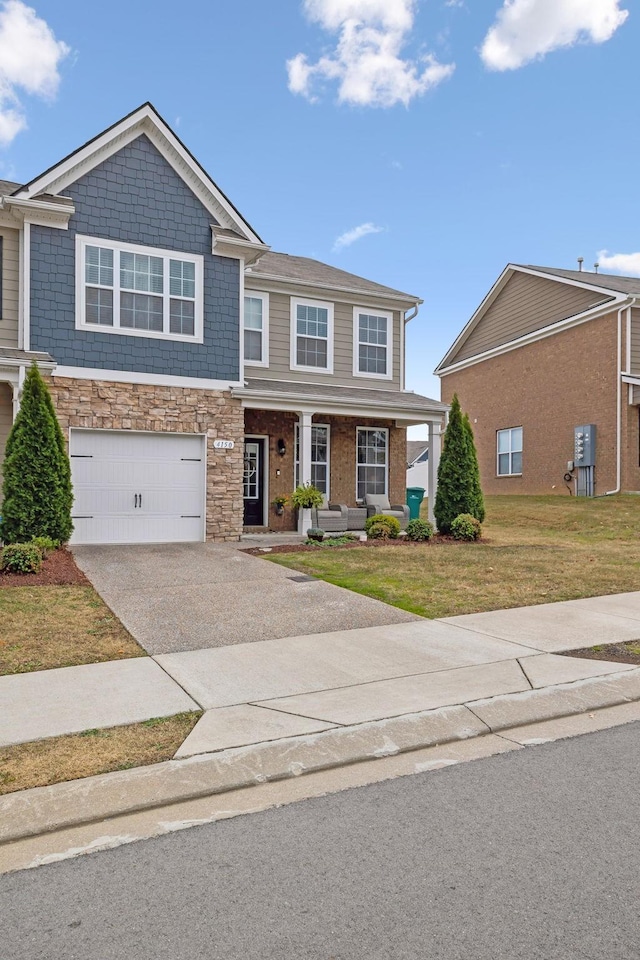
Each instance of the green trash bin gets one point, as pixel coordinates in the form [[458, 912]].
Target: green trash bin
[[415, 496]]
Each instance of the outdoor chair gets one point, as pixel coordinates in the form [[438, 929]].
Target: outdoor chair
[[330, 517], [377, 503]]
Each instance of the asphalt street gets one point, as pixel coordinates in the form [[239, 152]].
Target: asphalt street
[[533, 854]]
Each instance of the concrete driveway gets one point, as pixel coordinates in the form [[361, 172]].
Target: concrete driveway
[[175, 597]]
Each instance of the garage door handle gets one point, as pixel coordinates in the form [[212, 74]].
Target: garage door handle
[[135, 500], [139, 499]]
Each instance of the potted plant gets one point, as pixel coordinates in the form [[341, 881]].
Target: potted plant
[[315, 534], [304, 498], [280, 503]]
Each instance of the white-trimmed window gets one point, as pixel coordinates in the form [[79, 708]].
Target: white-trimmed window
[[372, 343], [256, 329], [509, 447], [320, 454], [311, 336], [372, 460], [138, 291]]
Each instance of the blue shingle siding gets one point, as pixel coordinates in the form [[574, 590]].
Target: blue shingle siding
[[136, 197]]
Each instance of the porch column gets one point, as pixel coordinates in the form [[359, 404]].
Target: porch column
[[304, 421], [435, 448]]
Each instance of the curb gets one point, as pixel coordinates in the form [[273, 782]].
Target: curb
[[43, 810]]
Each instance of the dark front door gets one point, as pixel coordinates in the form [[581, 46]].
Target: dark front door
[[253, 483]]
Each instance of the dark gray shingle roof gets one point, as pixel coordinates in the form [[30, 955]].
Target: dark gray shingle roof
[[400, 399], [7, 187], [8, 353], [626, 285], [305, 270], [415, 448]]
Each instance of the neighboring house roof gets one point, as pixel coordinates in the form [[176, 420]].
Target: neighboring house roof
[[283, 266], [415, 449], [285, 394], [7, 187], [530, 302]]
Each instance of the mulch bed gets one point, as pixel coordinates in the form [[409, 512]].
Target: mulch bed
[[305, 548], [59, 569], [618, 652]]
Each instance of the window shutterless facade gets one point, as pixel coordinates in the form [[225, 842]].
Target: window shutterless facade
[[372, 344], [256, 329], [372, 461], [139, 291], [509, 452], [311, 336], [320, 455]]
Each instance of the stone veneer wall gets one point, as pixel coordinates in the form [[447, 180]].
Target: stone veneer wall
[[122, 406]]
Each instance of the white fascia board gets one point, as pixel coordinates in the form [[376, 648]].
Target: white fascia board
[[153, 379], [40, 212], [592, 314], [500, 283], [628, 378], [142, 121], [14, 363], [369, 296], [344, 408]]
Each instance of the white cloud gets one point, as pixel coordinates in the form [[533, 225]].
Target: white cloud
[[627, 264], [357, 233], [29, 60], [366, 61], [526, 30]]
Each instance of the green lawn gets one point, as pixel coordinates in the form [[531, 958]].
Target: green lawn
[[534, 550]]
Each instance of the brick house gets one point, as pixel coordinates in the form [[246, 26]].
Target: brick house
[[196, 374], [547, 353]]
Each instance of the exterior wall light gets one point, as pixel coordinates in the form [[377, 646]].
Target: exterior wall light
[[282, 447]]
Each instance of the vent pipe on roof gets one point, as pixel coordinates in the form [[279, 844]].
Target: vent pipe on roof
[[595, 267], [580, 262]]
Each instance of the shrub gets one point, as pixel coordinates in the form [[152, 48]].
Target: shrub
[[466, 527], [458, 478], [45, 545], [382, 527], [306, 496], [419, 530], [37, 494], [21, 558], [315, 534]]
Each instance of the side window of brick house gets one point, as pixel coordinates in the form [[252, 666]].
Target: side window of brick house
[[509, 452]]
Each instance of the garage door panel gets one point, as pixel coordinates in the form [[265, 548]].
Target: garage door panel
[[137, 488]]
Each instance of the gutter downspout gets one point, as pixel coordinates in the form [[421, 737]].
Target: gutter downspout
[[403, 347], [609, 493]]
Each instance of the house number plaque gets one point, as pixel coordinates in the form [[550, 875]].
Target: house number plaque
[[224, 444]]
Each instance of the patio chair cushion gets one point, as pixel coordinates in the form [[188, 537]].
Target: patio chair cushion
[[331, 518], [378, 503]]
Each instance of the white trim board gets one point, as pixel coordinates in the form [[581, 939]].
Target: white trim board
[[133, 376]]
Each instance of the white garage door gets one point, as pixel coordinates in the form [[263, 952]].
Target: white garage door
[[137, 487]]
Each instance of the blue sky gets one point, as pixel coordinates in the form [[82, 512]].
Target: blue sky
[[457, 135]]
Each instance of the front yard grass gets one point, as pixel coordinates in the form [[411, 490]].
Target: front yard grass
[[56, 626], [534, 550], [44, 762]]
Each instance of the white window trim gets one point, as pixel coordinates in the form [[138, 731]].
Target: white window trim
[[384, 430], [83, 241], [296, 462], [370, 312], [510, 451], [303, 301], [265, 328]]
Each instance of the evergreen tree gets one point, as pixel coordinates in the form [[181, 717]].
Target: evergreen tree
[[479, 511], [37, 493], [458, 489]]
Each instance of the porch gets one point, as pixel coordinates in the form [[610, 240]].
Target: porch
[[348, 442]]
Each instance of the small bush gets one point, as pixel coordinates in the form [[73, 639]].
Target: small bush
[[419, 530], [315, 534], [21, 558], [466, 527], [45, 545], [381, 527]]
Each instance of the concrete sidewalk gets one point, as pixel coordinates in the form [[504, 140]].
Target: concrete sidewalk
[[267, 690]]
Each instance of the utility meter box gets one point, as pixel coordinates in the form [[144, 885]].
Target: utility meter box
[[584, 445]]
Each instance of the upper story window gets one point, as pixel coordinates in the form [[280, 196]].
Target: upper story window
[[139, 291], [372, 339], [256, 329], [510, 452], [311, 336]]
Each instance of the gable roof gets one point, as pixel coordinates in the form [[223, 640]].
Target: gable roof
[[144, 120], [415, 449], [313, 273], [596, 293]]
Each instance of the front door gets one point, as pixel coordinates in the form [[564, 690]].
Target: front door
[[254, 483]]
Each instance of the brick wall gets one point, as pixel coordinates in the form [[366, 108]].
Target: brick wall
[[277, 425], [136, 197], [118, 406], [548, 387]]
